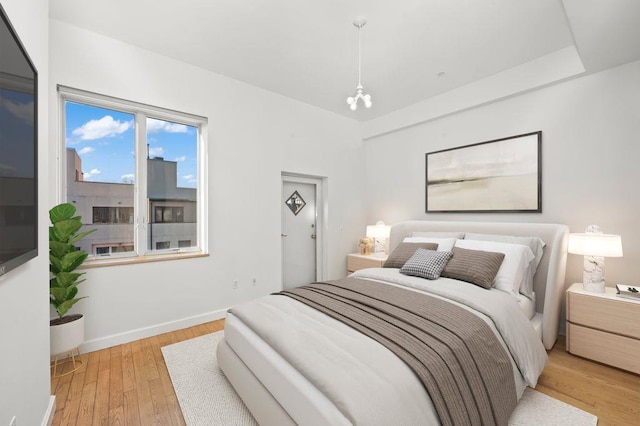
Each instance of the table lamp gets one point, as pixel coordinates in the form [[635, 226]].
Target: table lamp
[[595, 246], [380, 233]]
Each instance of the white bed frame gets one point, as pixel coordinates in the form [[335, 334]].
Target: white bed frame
[[549, 287]]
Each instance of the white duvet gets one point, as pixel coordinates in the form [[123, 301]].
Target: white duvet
[[353, 378]]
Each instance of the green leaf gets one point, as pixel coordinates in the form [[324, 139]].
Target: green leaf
[[64, 307], [66, 279], [71, 261], [58, 294], [58, 249], [60, 212], [81, 236], [71, 293], [66, 229], [55, 265]]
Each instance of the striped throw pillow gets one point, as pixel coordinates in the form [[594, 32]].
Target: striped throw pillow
[[474, 266], [404, 251]]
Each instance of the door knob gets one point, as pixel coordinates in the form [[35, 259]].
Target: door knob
[[283, 235], [313, 236]]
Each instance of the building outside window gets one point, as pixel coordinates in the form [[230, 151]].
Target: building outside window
[[167, 214], [108, 250], [118, 177], [162, 245], [113, 215]]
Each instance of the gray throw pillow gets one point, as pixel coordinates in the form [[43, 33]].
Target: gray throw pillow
[[404, 251], [426, 264], [474, 266]]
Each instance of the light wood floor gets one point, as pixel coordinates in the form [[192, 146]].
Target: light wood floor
[[129, 385]]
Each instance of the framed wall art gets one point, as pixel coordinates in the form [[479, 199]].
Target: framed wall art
[[502, 175]]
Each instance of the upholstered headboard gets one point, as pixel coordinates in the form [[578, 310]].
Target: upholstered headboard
[[548, 283]]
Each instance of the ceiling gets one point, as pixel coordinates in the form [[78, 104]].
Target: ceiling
[[307, 50]]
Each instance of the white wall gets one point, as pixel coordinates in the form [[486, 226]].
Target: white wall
[[590, 160], [24, 315], [254, 135]]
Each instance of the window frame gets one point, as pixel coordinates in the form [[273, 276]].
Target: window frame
[[141, 208]]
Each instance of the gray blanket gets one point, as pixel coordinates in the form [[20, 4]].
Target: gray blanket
[[459, 360]]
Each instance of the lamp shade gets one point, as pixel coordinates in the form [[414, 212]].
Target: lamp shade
[[591, 244], [379, 231]]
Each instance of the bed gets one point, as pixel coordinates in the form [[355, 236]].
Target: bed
[[292, 364]]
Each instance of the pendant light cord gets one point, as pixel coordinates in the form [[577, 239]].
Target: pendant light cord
[[359, 55], [359, 22]]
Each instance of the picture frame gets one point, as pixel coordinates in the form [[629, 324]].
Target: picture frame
[[497, 176]]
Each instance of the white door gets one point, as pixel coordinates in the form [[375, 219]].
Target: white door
[[299, 234]]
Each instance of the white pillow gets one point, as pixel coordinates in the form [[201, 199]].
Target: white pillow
[[534, 243], [516, 260], [444, 244], [436, 234]]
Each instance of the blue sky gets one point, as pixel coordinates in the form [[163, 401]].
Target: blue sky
[[105, 141]]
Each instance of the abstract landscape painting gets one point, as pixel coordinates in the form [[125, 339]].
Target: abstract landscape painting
[[501, 175]]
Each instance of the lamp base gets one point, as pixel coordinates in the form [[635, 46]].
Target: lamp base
[[598, 287], [593, 274], [381, 245]]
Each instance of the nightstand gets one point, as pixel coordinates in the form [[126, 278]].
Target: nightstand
[[604, 327], [356, 261]]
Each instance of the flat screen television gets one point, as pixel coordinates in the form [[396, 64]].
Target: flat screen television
[[18, 151]]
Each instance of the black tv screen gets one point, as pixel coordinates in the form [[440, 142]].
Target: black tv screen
[[18, 151]]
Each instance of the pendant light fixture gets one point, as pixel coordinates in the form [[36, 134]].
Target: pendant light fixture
[[359, 22]]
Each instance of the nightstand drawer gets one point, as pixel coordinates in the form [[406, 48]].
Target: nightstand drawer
[[619, 351], [356, 262], [613, 315]]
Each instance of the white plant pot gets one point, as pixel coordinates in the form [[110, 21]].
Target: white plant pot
[[66, 337]]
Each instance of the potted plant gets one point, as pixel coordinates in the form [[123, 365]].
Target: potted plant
[[67, 331]]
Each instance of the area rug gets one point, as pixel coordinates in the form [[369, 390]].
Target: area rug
[[207, 398]]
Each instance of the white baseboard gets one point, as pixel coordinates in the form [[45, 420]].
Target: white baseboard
[[141, 333], [51, 410]]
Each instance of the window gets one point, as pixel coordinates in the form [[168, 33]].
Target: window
[[108, 250], [113, 215], [161, 245], [169, 214], [102, 251], [134, 173]]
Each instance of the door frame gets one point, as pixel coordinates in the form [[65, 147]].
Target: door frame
[[321, 223]]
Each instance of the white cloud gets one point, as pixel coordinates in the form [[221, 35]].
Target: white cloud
[[85, 150], [189, 178], [154, 126], [22, 111], [156, 151], [128, 178], [90, 174], [105, 127], [182, 158]]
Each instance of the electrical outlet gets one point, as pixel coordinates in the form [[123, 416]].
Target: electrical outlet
[[235, 284], [13, 421]]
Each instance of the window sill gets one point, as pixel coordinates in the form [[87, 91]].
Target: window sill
[[99, 263]]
